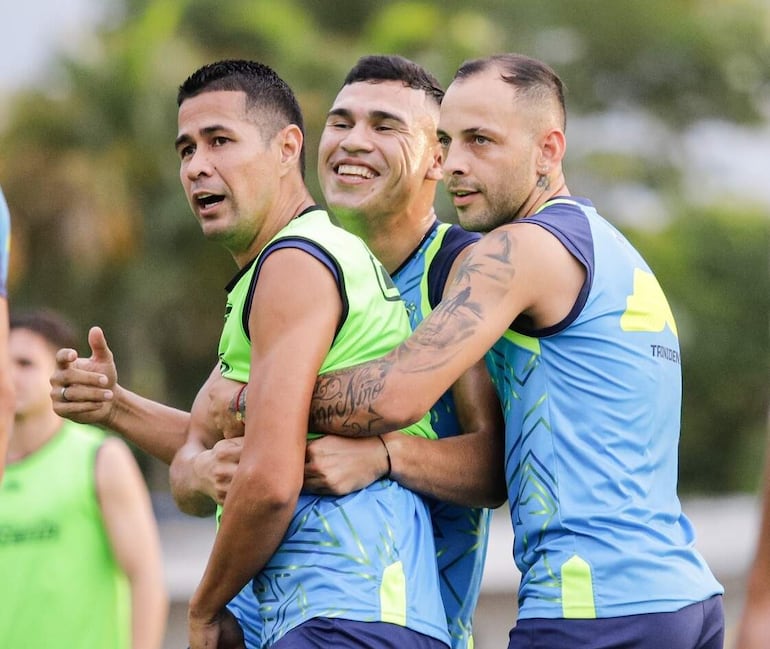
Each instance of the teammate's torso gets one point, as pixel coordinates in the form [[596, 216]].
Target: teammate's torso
[[61, 585], [592, 411], [461, 533]]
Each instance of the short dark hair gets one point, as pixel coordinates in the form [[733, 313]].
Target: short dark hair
[[384, 67], [530, 77], [263, 87], [54, 327]]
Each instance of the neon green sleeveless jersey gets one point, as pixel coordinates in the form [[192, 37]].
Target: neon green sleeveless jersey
[[374, 319], [61, 585], [376, 543]]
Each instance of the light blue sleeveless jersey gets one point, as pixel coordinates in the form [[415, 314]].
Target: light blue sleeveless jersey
[[592, 409], [368, 556], [5, 245], [461, 533]]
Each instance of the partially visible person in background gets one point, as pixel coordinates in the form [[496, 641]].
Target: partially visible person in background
[[6, 386], [754, 626], [80, 556]]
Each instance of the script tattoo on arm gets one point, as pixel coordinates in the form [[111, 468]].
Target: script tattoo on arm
[[342, 400], [345, 401]]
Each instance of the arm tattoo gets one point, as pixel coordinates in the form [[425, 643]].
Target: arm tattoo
[[345, 401], [342, 400]]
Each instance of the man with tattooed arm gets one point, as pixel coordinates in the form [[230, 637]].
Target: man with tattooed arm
[[571, 321]]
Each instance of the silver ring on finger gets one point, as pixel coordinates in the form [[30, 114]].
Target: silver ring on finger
[[63, 394]]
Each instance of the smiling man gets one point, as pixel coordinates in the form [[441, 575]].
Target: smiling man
[[379, 166]]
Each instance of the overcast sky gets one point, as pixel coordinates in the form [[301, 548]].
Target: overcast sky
[[33, 30]]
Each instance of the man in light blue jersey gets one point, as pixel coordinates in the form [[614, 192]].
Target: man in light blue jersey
[[6, 386], [379, 165], [583, 350]]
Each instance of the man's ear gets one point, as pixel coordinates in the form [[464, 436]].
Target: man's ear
[[291, 141], [553, 146], [434, 171]]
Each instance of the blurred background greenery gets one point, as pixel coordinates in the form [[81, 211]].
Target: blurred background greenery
[[669, 135]]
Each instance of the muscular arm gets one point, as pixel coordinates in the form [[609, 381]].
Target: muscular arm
[[516, 268], [466, 469], [267, 482], [133, 535], [95, 397]]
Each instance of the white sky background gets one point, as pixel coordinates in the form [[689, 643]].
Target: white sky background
[[723, 159], [33, 31]]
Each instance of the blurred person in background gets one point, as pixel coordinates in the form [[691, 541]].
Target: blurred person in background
[[80, 555], [6, 385]]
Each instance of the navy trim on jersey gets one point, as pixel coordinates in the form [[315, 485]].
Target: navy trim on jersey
[[455, 241], [314, 250], [242, 271], [570, 226]]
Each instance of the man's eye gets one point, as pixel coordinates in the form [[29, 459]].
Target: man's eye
[[219, 140], [479, 139], [186, 151], [444, 141]]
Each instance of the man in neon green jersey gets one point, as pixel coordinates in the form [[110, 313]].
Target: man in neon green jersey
[[308, 298], [379, 166]]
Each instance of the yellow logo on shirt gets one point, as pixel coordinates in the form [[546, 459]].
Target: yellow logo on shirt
[[647, 308]]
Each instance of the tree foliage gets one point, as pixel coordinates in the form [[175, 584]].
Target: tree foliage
[[102, 231]]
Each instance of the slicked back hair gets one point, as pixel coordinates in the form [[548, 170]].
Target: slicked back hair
[[266, 93], [531, 78], [382, 67]]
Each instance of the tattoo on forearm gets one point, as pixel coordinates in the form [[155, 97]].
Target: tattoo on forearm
[[342, 400], [345, 402], [457, 316]]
